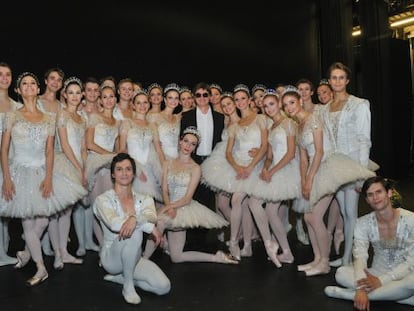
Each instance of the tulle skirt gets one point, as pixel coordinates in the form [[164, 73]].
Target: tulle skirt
[[335, 171], [219, 175], [194, 215], [152, 185], [284, 185], [94, 163], [28, 201]]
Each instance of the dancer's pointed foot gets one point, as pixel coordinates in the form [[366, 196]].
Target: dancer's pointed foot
[[286, 257], [246, 251], [131, 296], [225, 258], [271, 250], [235, 249], [23, 258], [58, 263], [68, 258], [308, 265], [321, 268]]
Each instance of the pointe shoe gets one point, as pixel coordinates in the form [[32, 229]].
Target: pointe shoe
[[81, 252], [338, 239], [131, 297], [23, 258], [306, 266], [37, 279], [92, 247], [58, 263], [271, 250], [286, 257], [234, 249], [246, 251], [320, 269], [225, 258], [72, 260], [338, 292]]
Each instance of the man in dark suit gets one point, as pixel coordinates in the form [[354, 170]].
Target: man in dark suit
[[210, 125]]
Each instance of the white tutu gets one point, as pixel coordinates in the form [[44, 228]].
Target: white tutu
[[28, 201], [336, 171], [150, 187], [63, 166], [94, 163], [284, 185], [194, 215]]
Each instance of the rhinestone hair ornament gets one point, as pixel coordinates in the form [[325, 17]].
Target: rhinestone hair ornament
[[184, 89], [72, 80], [154, 86], [193, 130], [323, 82], [172, 87], [226, 94], [216, 86], [270, 92], [25, 74], [259, 87], [241, 87], [290, 89]]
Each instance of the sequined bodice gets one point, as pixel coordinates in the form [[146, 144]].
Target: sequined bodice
[[105, 135], [169, 135], [246, 138], [178, 182], [29, 140], [334, 121], [306, 136], [76, 134], [224, 135], [139, 141], [277, 139]]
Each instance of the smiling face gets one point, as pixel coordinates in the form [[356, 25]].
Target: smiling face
[[242, 100], [172, 99], [123, 173], [5, 77], [325, 94], [73, 94], [271, 105], [378, 197], [108, 97], [228, 106], [188, 143], [141, 104], [291, 104], [338, 80]]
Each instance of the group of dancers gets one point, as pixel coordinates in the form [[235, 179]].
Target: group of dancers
[[159, 161]]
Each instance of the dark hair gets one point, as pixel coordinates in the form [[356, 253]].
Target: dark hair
[[119, 158], [306, 81], [59, 71], [202, 85], [388, 184]]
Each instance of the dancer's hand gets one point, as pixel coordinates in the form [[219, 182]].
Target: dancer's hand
[[142, 177], [46, 188], [265, 175], [252, 152], [361, 301], [306, 189], [370, 282], [8, 189], [156, 236], [127, 228]]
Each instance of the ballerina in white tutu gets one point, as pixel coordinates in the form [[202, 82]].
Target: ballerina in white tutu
[[280, 177], [6, 104], [31, 190], [322, 173], [180, 211], [70, 161], [140, 139], [101, 140]]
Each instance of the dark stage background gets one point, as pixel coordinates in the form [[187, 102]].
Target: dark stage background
[[155, 41]]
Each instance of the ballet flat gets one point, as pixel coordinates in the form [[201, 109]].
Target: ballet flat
[[73, 261], [246, 251], [36, 280], [235, 249], [318, 270]]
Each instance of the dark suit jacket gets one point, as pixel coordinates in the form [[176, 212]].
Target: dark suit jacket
[[189, 118]]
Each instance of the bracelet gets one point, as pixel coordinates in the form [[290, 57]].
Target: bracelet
[[132, 215]]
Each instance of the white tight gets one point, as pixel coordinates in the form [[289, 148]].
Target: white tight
[[278, 228], [123, 258], [317, 231], [401, 291], [33, 229], [348, 203], [59, 226]]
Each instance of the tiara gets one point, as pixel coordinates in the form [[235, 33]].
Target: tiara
[[323, 82], [185, 89], [216, 86], [227, 94], [241, 87], [270, 92], [258, 87], [25, 74], [290, 89], [171, 87], [72, 80], [141, 92], [154, 86], [193, 130]]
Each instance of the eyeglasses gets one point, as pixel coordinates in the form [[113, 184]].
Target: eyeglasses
[[198, 95]]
